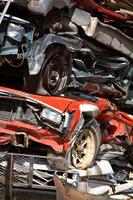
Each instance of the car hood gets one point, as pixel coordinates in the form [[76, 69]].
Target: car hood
[[58, 103]]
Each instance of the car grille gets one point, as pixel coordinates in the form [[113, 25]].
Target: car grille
[[27, 171], [6, 110]]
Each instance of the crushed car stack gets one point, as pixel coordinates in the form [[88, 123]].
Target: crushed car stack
[[73, 59]]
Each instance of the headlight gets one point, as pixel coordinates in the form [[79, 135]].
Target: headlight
[[16, 32], [51, 116]]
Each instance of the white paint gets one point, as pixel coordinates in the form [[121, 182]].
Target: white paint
[[90, 109]]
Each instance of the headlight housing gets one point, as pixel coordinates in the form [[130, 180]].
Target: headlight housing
[[51, 116], [16, 32]]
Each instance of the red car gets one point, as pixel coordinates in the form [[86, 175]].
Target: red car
[[46, 124], [60, 126]]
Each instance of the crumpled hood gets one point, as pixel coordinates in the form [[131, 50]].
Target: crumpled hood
[[58, 103]]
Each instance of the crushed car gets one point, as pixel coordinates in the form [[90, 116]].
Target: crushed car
[[67, 126], [82, 68], [71, 57], [87, 140], [41, 123], [84, 134]]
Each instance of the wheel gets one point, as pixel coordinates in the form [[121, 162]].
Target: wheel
[[56, 69], [54, 74], [86, 146]]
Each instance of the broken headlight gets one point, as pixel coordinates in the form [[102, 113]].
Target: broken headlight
[[16, 32], [51, 116]]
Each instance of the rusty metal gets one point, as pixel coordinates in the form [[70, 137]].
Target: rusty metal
[[68, 192]]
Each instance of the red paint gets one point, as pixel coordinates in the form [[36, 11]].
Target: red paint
[[120, 123], [92, 5], [43, 135]]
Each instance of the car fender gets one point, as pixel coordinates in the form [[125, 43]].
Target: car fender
[[37, 53]]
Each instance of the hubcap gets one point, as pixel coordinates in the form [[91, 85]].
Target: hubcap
[[53, 73], [84, 149]]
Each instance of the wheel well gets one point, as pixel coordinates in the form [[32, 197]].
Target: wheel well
[[58, 46]]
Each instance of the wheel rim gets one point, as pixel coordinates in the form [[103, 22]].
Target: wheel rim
[[53, 72], [84, 149]]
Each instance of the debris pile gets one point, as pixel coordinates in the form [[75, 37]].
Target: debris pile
[[75, 62]]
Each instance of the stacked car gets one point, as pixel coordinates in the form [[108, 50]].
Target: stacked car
[[73, 62]]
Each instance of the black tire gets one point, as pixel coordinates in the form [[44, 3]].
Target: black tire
[[56, 69]]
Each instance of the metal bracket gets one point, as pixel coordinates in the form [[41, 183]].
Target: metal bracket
[[21, 140]]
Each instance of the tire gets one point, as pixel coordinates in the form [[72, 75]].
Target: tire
[[56, 69], [86, 146]]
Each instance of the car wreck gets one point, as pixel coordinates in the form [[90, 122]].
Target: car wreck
[[68, 118], [109, 75], [72, 130], [30, 118]]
